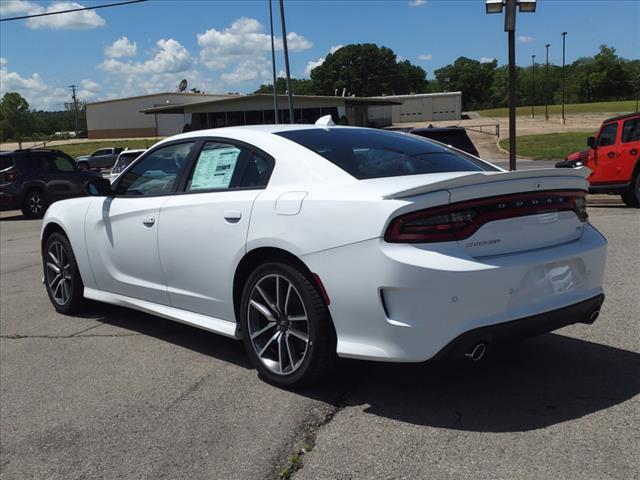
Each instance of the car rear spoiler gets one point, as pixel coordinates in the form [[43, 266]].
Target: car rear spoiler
[[491, 177]]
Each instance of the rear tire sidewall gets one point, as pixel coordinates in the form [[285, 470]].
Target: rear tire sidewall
[[76, 300], [31, 196], [321, 346]]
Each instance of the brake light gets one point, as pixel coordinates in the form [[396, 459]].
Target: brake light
[[461, 220], [11, 176]]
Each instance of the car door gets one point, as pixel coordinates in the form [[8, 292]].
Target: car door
[[629, 149], [100, 158], [64, 180], [122, 230], [203, 230], [604, 156]]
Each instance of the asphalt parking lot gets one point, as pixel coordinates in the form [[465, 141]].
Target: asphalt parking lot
[[119, 394]]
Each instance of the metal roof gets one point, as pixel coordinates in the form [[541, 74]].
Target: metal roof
[[348, 100]]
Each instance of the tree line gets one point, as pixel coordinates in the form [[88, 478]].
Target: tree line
[[369, 70]]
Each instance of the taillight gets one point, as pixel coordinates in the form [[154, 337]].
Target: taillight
[[461, 220], [11, 176]]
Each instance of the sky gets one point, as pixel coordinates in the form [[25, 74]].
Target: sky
[[224, 46]]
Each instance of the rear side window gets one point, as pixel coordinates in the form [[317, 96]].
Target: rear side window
[[631, 130], [215, 168], [608, 135], [6, 161], [62, 163], [365, 153]]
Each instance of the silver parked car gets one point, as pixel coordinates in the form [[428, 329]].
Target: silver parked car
[[102, 158], [124, 160]]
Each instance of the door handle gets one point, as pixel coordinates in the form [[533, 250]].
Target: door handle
[[232, 216], [611, 154], [633, 151], [149, 220]]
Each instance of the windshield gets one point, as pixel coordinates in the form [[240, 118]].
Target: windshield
[[368, 153]]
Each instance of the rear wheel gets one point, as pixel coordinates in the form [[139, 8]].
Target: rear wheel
[[632, 197], [34, 204], [61, 275], [287, 329]]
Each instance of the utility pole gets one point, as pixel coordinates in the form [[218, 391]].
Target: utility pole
[[75, 106], [564, 36], [546, 85], [273, 68], [510, 27], [533, 84], [286, 63]]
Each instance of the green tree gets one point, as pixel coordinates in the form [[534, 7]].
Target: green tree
[[15, 117], [298, 87], [367, 70], [472, 78]]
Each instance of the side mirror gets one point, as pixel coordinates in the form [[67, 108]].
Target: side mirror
[[592, 142], [99, 187]]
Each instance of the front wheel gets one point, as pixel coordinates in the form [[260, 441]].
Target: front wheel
[[287, 329], [61, 275], [632, 197]]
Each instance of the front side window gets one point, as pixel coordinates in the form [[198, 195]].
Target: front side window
[[631, 130], [608, 135], [62, 163], [365, 153], [100, 153], [156, 174]]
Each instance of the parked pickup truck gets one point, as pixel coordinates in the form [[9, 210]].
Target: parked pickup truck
[[614, 159], [103, 158]]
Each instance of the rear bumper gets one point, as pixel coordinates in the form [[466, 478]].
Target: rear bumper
[[9, 200], [406, 303], [583, 312]]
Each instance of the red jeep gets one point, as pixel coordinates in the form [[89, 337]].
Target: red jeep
[[614, 158]]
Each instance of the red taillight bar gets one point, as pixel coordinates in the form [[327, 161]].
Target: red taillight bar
[[461, 220]]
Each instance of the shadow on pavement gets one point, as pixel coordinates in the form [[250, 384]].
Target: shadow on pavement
[[544, 381], [540, 382]]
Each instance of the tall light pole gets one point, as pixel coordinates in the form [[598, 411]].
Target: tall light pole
[[496, 6], [564, 36], [286, 62], [546, 85], [75, 106], [273, 68], [533, 84]]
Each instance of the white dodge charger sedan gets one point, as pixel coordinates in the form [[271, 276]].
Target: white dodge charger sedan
[[311, 242]]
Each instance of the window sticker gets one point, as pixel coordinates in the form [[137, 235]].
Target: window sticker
[[214, 168]]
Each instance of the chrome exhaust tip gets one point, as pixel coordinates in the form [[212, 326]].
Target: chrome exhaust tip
[[476, 352], [594, 316]]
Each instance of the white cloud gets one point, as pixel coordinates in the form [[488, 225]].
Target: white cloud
[[417, 3], [426, 57], [486, 59], [170, 57], [34, 89], [246, 70], [525, 39], [244, 40], [122, 47], [311, 64], [65, 21]]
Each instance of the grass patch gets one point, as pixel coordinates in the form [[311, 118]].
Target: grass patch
[[87, 148], [293, 465], [622, 106], [548, 146]]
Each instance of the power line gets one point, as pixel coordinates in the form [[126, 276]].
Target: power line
[[23, 17]]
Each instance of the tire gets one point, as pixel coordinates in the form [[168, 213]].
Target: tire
[[632, 197], [274, 328], [83, 165], [65, 292], [34, 204]]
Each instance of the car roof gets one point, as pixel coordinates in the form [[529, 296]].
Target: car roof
[[622, 117]]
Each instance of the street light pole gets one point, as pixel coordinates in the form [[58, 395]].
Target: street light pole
[[564, 36], [533, 84], [286, 63], [273, 68], [546, 85]]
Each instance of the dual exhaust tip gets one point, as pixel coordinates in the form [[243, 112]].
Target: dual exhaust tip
[[478, 350]]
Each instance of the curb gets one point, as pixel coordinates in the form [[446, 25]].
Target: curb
[[507, 151]]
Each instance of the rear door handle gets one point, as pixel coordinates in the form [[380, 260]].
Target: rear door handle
[[232, 215], [633, 151], [149, 220], [611, 154]]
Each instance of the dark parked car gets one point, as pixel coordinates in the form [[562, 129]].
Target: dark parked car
[[31, 180], [455, 136]]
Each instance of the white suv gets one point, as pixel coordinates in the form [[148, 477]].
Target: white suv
[[124, 160]]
